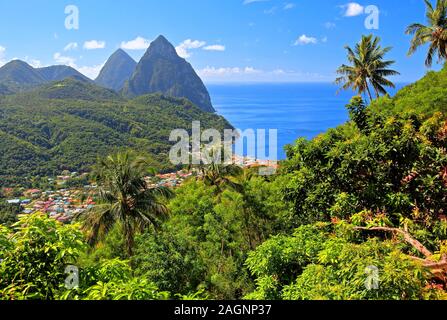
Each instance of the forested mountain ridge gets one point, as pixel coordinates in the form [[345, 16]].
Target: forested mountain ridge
[[18, 76], [61, 72], [68, 124]]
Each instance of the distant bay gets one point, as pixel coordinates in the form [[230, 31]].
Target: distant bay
[[294, 109]]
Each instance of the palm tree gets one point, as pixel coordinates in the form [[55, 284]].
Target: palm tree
[[215, 172], [368, 68], [220, 176], [124, 199], [435, 33]]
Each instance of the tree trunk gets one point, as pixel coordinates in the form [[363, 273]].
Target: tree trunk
[[130, 241], [438, 269], [407, 237]]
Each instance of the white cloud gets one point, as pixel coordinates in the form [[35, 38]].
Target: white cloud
[[34, 62], [353, 9], [227, 71], [2, 56], [65, 60], [184, 47], [272, 10], [324, 39], [330, 25], [139, 43], [289, 6], [215, 47], [71, 46], [279, 72], [251, 70], [91, 72], [94, 44], [253, 1], [305, 40], [250, 74]]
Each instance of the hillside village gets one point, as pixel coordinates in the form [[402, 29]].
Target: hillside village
[[63, 204]]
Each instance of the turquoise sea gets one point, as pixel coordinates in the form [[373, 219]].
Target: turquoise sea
[[295, 110]]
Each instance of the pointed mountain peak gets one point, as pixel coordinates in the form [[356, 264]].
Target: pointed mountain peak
[[117, 70], [161, 39], [162, 46], [162, 70], [121, 54]]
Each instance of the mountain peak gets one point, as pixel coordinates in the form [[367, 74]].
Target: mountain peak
[[120, 52], [117, 70], [161, 38], [61, 72], [162, 70], [17, 63], [162, 46], [18, 73]]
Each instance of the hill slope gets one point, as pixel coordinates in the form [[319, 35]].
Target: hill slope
[[41, 136], [117, 70], [162, 70], [18, 75], [58, 73], [424, 97], [71, 88]]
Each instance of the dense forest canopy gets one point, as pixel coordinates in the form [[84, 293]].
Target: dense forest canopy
[[45, 131]]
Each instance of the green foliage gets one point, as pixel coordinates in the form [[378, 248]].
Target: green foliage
[[433, 33], [316, 263], [135, 289], [34, 255], [74, 89], [113, 280], [357, 111], [124, 198], [209, 234], [423, 98], [168, 260], [8, 214], [397, 169]]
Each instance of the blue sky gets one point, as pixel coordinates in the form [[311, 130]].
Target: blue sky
[[225, 40]]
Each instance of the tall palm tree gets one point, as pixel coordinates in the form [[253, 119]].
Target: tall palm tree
[[124, 199], [368, 68], [434, 33]]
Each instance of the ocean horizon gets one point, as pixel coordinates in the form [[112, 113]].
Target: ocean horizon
[[295, 110]]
